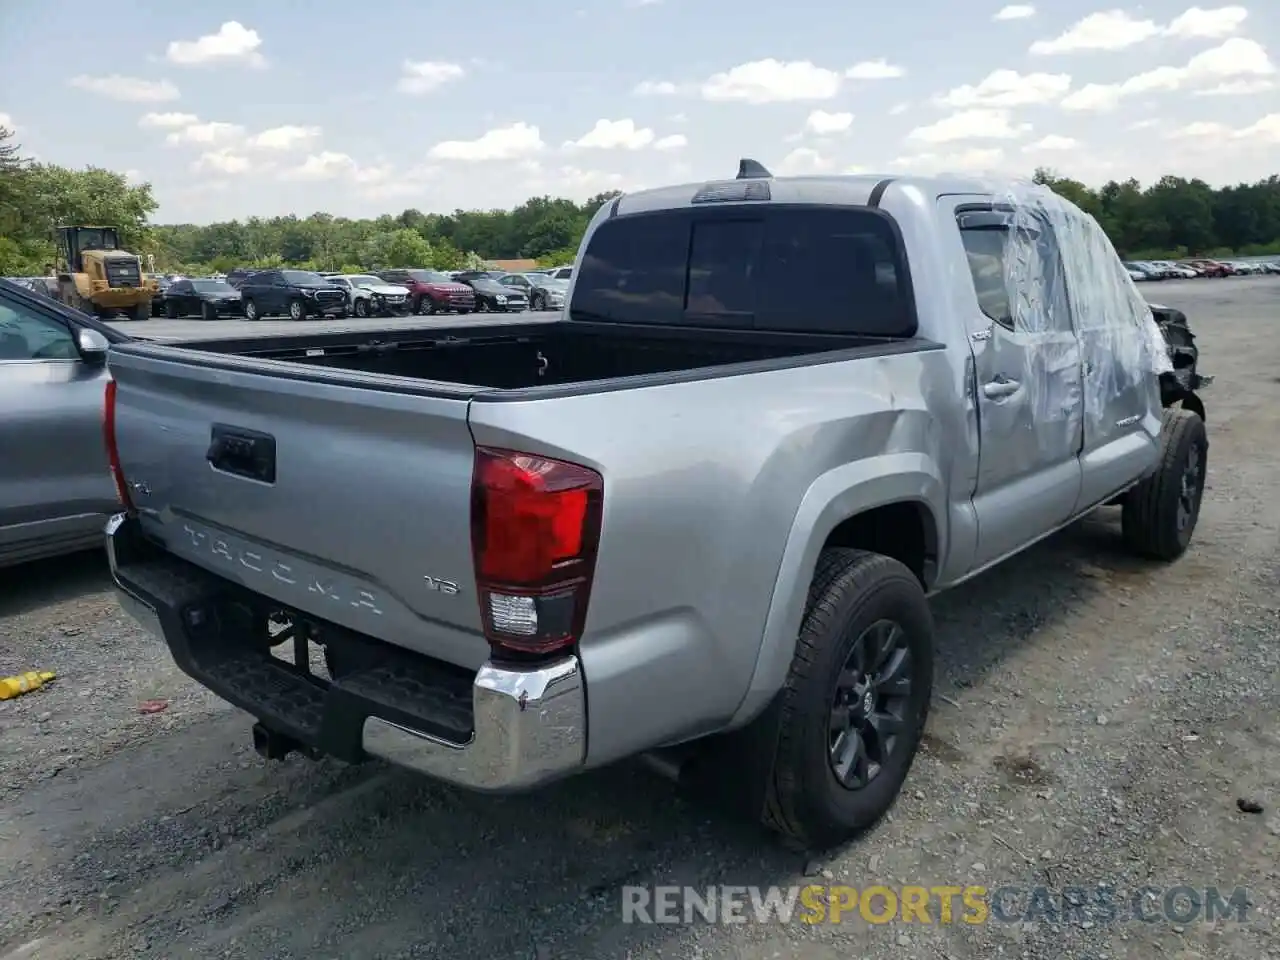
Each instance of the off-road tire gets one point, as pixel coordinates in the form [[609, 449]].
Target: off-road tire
[[851, 590], [140, 311], [170, 310], [1149, 516], [251, 310]]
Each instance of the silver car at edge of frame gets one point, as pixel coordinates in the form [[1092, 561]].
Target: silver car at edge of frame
[[56, 489]]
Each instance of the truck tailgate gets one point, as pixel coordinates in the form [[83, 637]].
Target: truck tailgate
[[349, 503]]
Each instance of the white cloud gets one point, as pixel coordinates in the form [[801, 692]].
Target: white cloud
[[1015, 11], [613, 135], [1267, 130], [898, 109], [221, 161], [1233, 60], [129, 89], [6, 121], [972, 160], [804, 161], [215, 131], [772, 81], [326, 165], [167, 121], [574, 183], [1198, 23], [1008, 88], [134, 176], [675, 141], [824, 124], [1108, 30], [1051, 142], [233, 43], [283, 138], [655, 88], [880, 69], [504, 143], [970, 125], [1198, 130], [420, 77], [1237, 88]]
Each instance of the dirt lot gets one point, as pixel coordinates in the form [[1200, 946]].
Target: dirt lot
[[1097, 720]]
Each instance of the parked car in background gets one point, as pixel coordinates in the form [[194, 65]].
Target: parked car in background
[[1210, 268], [203, 297], [1136, 275], [494, 297], [297, 294], [369, 296], [544, 293], [56, 490], [431, 291], [239, 275], [464, 276], [1140, 271], [1271, 266], [561, 273]]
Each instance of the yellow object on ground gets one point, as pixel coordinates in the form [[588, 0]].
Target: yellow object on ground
[[11, 687]]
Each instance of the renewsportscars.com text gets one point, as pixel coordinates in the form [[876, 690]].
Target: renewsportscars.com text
[[944, 904]]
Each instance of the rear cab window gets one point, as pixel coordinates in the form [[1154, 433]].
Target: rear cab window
[[796, 269]]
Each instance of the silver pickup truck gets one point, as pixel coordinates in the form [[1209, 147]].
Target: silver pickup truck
[[698, 518]]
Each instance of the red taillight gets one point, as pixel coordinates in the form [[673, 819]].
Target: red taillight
[[113, 451], [535, 527]]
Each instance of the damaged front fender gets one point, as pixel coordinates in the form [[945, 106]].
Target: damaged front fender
[[1182, 383]]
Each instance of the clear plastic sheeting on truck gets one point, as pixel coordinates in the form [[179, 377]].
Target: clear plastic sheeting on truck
[[1069, 297]]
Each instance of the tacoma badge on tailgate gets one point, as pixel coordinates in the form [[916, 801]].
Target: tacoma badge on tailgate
[[297, 574]]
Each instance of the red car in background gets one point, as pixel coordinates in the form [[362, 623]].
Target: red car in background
[[1210, 268], [431, 291]]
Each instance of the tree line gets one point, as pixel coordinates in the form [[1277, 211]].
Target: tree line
[[1173, 217]]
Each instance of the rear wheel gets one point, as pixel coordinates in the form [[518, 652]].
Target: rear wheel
[[853, 709], [171, 309], [1160, 514], [140, 311], [251, 309]]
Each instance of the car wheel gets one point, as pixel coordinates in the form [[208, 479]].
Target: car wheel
[[1159, 514], [851, 715], [171, 310], [482, 305], [362, 308], [208, 312], [250, 310], [297, 311], [536, 302]]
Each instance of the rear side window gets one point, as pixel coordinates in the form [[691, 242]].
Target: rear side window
[[795, 269]]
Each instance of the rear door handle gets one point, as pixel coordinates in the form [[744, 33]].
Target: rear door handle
[[1000, 388]]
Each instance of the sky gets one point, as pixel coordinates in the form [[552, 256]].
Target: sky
[[236, 109]]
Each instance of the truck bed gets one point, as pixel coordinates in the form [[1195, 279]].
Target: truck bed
[[538, 356]]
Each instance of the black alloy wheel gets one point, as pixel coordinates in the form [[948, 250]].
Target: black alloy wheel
[[869, 704]]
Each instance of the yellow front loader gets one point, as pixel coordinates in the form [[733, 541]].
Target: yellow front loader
[[97, 277]]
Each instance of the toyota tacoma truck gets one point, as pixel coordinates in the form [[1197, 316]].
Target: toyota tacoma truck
[[698, 519]]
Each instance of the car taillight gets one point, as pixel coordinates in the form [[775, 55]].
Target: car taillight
[[113, 450], [535, 529]]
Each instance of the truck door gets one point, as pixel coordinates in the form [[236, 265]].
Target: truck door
[[55, 488], [1027, 373], [1122, 410]]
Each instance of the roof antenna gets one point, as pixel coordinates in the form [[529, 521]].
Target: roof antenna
[[749, 169]]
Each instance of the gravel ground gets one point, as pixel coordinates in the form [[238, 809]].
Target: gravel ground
[[1097, 720]]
